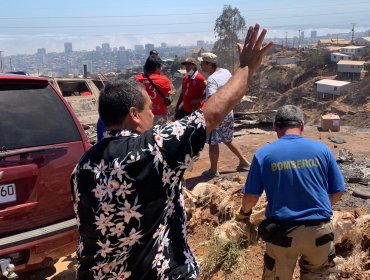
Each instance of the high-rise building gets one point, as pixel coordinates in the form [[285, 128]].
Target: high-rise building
[[138, 48], [106, 47], [149, 47], [313, 34], [123, 60], [41, 51], [67, 47]]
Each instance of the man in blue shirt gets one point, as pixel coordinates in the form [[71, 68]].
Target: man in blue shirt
[[302, 181]]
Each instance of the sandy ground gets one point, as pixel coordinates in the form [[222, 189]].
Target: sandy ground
[[356, 140]]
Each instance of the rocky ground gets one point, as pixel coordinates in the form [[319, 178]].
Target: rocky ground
[[213, 211]]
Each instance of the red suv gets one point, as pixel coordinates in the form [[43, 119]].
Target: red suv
[[41, 141]]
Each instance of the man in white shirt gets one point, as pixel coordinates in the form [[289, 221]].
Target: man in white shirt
[[224, 133]]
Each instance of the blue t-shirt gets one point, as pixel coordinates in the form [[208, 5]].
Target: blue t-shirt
[[297, 175]]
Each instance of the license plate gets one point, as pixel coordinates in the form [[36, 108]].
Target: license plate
[[7, 193]]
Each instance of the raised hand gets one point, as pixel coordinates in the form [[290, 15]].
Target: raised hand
[[252, 52]]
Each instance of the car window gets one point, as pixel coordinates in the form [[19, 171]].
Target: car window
[[33, 115], [74, 88]]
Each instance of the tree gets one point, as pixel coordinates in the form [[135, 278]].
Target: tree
[[228, 26], [315, 58]]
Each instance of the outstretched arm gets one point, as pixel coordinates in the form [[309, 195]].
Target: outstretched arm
[[225, 99]]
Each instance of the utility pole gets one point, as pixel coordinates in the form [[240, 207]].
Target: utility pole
[[353, 31], [286, 40], [299, 38], [1, 61], [11, 66]]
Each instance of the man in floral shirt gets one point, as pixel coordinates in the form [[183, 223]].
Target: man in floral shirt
[[126, 189]]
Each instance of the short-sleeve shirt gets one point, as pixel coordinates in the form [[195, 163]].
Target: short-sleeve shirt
[[129, 203], [298, 175], [216, 81], [193, 88], [163, 84]]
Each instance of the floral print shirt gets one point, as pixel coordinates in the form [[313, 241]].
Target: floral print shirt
[[129, 203]]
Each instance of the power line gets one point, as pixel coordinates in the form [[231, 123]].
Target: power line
[[165, 24], [177, 14]]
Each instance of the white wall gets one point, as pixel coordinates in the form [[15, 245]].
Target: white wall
[[350, 68], [335, 57], [355, 52], [336, 90]]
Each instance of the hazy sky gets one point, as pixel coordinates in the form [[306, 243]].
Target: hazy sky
[[26, 25]]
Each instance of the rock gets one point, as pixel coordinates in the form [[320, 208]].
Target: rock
[[189, 208], [345, 156], [363, 192], [236, 232], [226, 209], [204, 193], [239, 179], [363, 225], [360, 212], [358, 180], [343, 226]]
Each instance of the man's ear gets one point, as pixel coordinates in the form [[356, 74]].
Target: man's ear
[[133, 114]]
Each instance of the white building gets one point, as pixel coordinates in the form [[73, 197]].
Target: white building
[[355, 51], [345, 66], [283, 60], [363, 41], [336, 56], [332, 86]]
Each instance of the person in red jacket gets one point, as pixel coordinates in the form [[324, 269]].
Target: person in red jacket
[[193, 86], [157, 93]]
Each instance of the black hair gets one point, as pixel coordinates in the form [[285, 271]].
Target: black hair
[[116, 99], [151, 64]]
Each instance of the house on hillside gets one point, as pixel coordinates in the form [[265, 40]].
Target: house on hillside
[[283, 60], [333, 87], [355, 68], [337, 56], [333, 42], [363, 41], [355, 51]]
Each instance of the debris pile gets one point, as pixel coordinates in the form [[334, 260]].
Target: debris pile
[[214, 204]]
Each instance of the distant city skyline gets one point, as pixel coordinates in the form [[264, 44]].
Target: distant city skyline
[[28, 25]]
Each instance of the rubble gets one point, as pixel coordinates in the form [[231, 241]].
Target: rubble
[[216, 204]]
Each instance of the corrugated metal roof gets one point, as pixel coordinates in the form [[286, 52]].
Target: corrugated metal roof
[[334, 83], [351, 62]]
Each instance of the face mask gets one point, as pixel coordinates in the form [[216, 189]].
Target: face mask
[[191, 72]]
